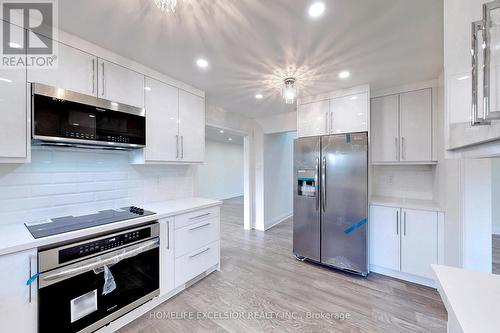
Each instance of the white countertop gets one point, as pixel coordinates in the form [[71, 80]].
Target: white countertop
[[16, 237], [471, 298], [406, 203]]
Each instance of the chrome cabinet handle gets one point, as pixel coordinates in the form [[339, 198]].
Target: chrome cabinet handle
[[404, 231], [396, 143], [331, 122], [403, 148], [177, 146], [30, 296], [168, 235], [199, 216], [201, 226], [316, 182], [199, 253], [486, 25], [103, 80], [323, 185], [397, 222], [93, 76], [475, 119]]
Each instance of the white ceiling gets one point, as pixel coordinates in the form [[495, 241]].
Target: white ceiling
[[214, 134], [252, 43]]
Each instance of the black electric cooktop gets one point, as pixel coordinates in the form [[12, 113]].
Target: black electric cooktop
[[64, 224]]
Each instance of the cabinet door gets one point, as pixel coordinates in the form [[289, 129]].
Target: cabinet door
[[419, 242], [385, 129], [312, 119], [416, 126], [385, 230], [191, 127], [120, 84], [18, 306], [167, 256], [13, 120], [349, 114], [76, 71], [162, 114]]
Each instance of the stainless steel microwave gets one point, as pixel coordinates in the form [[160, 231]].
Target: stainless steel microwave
[[65, 118]]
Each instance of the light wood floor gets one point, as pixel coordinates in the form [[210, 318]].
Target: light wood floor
[[260, 274], [496, 254]]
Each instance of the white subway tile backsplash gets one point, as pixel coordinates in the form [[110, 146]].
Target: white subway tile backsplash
[[66, 181]]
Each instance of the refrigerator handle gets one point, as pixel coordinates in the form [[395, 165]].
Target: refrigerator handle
[[323, 184], [316, 180]]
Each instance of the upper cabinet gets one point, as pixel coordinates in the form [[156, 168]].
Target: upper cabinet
[[14, 122], [119, 84], [191, 127], [76, 71], [175, 125], [349, 114], [162, 118], [312, 118], [402, 128], [340, 112], [472, 107]]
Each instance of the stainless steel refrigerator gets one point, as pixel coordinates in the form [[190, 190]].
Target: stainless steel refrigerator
[[331, 201]]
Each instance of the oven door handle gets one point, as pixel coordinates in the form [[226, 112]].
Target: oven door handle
[[124, 254]]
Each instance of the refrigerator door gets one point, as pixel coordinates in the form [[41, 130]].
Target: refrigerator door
[[306, 219], [345, 202]]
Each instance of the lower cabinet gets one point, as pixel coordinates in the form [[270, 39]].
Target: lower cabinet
[[18, 305], [404, 240], [197, 244]]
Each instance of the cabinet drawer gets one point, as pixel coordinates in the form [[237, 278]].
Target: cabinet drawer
[[197, 216], [194, 236], [196, 262]]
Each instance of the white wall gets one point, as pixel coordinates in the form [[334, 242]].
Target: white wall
[[67, 181], [278, 178], [221, 176]]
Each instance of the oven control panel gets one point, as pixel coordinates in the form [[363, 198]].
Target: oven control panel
[[103, 244]]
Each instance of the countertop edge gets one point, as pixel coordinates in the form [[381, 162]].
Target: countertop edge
[[406, 203], [32, 243]]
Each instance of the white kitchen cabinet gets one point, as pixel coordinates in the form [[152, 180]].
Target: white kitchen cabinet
[[416, 125], [385, 129], [119, 84], [167, 256], [419, 242], [162, 128], [349, 114], [191, 127], [14, 120], [402, 128], [404, 243], [385, 229], [76, 71], [313, 118], [197, 244], [18, 306]]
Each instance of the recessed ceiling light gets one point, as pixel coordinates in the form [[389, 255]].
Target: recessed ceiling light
[[147, 88], [259, 96], [221, 132], [230, 139], [344, 74], [202, 63], [317, 9]]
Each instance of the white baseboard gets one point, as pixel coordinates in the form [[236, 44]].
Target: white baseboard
[[403, 276], [278, 220]]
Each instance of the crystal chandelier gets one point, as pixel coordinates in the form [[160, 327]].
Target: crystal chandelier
[[166, 5], [290, 90]]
